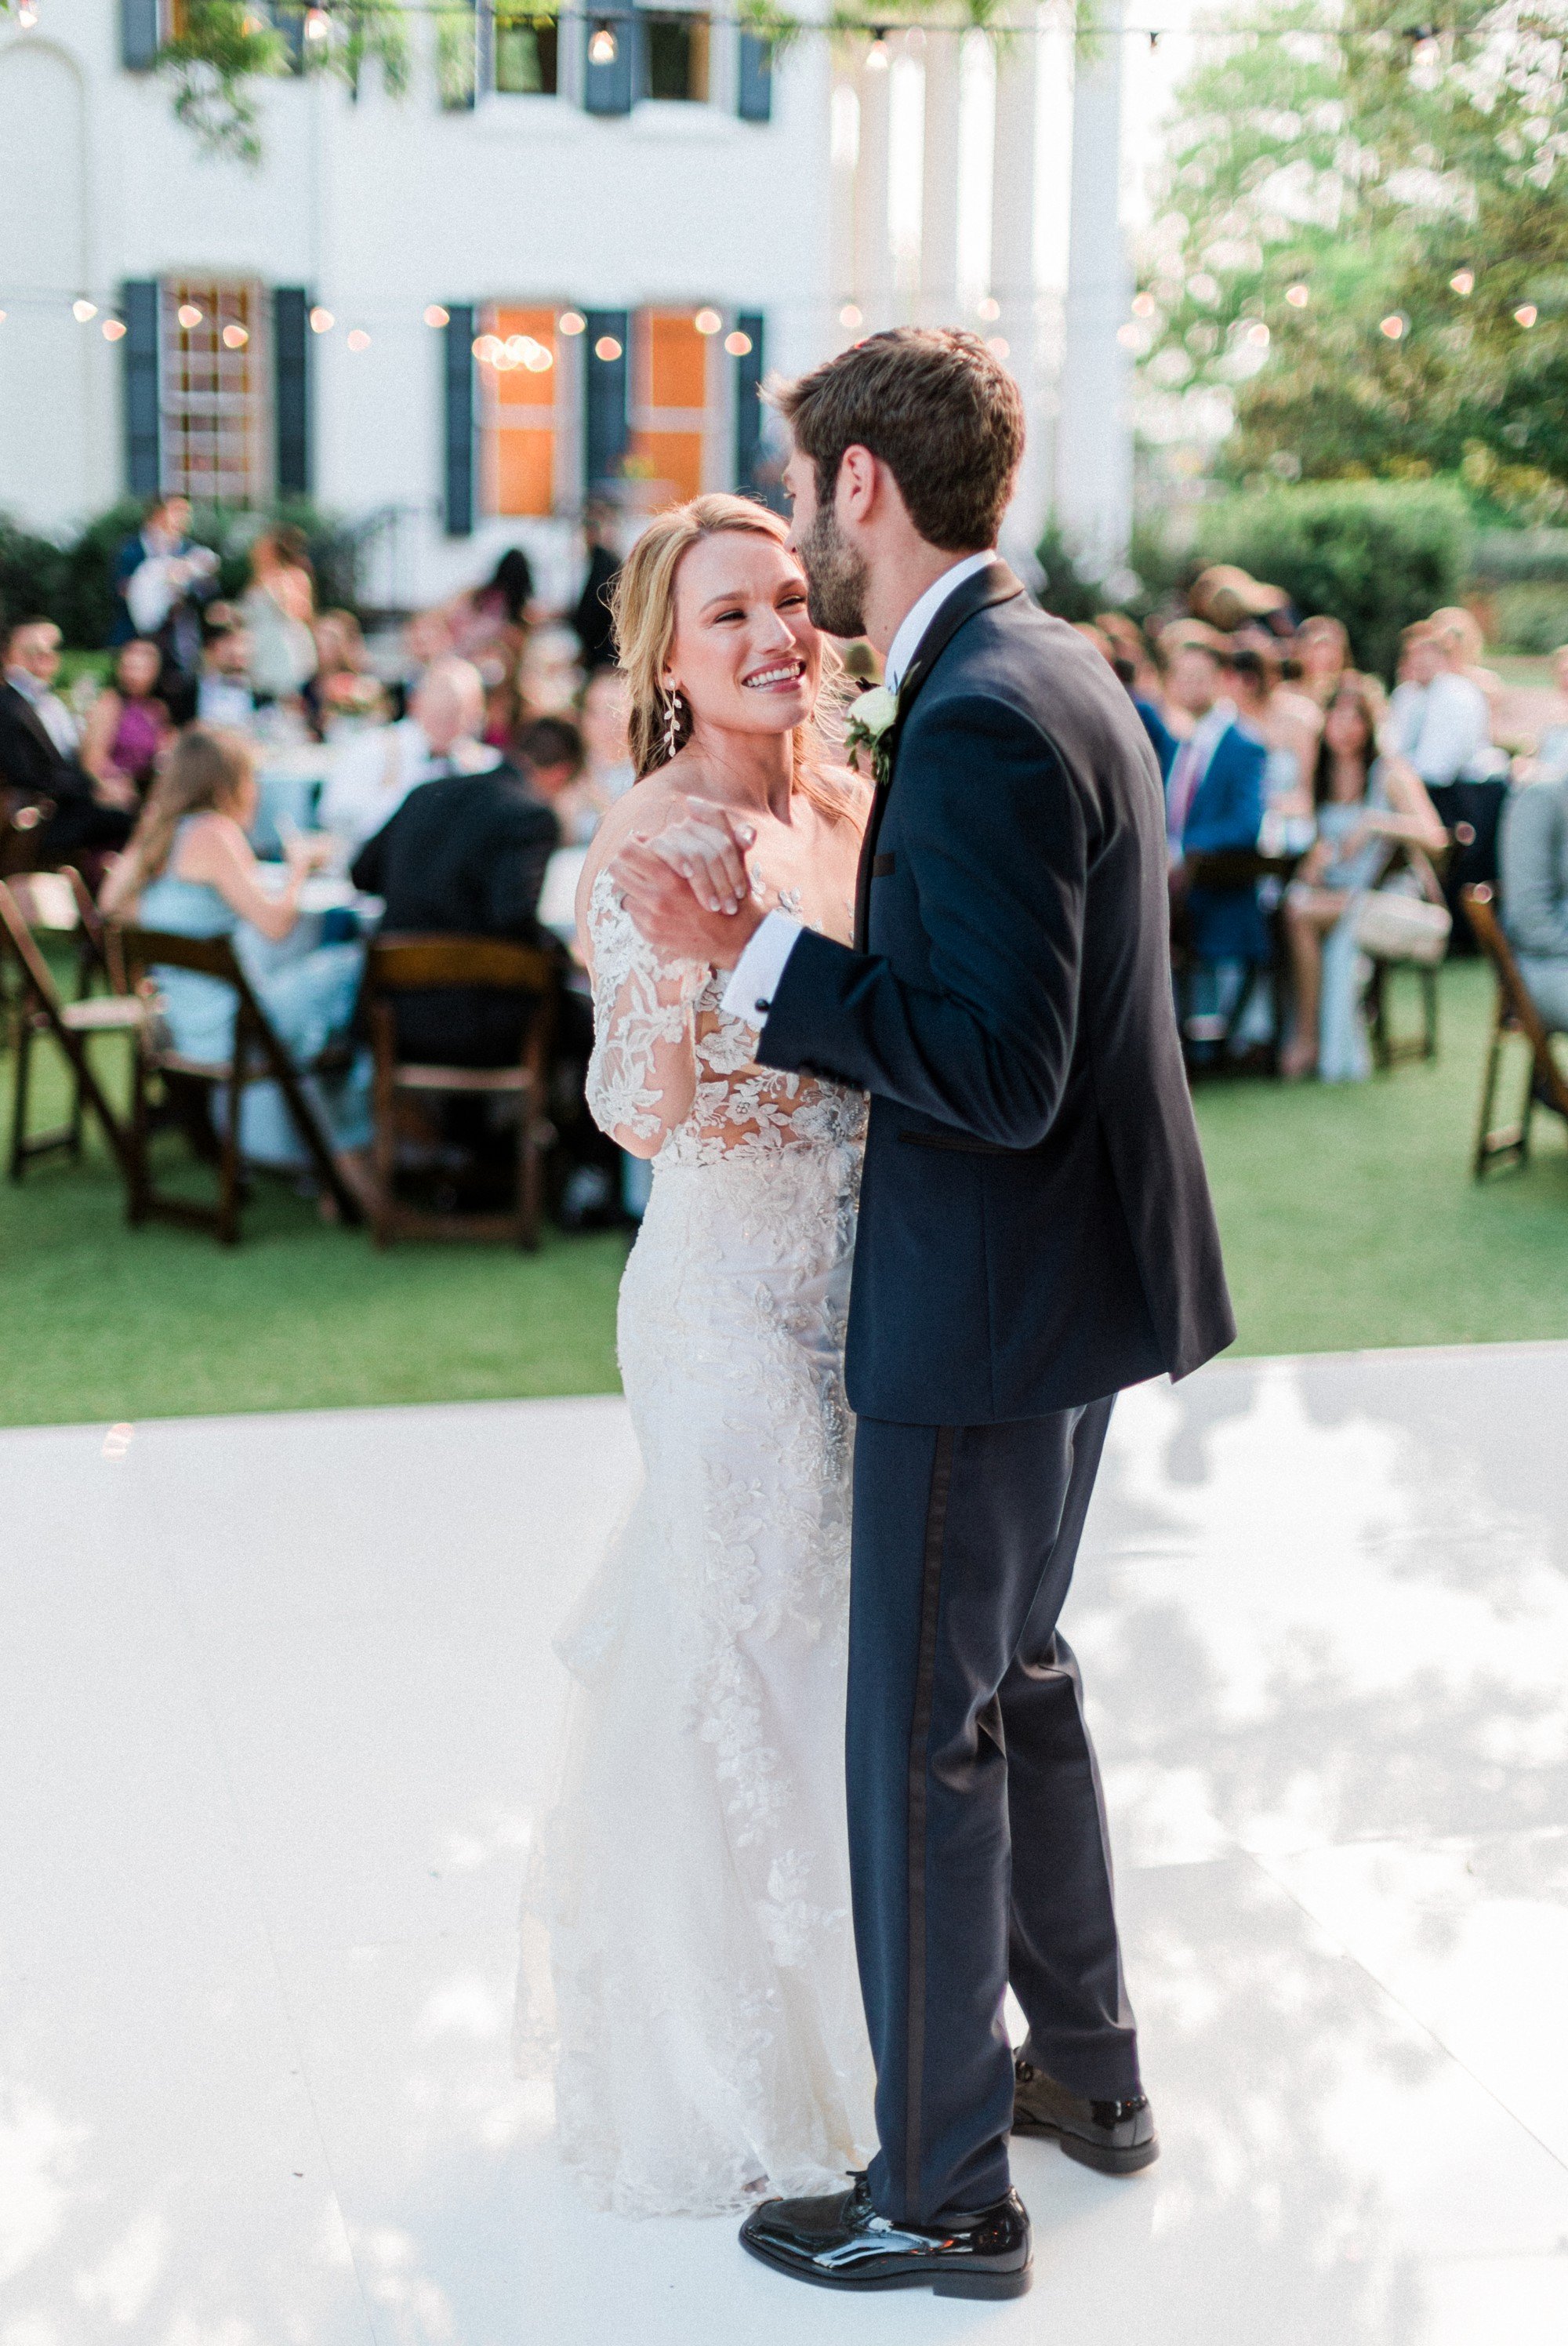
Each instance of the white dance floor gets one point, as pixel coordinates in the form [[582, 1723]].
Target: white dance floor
[[277, 1703]]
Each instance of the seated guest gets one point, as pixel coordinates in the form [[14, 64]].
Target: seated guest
[[463, 855], [1534, 870], [224, 696], [373, 773], [39, 753], [551, 756], [1365, 805], [189, 869], [1550, 763], [128, 724], [1438, 716], [1213, 804], [1323, 656]]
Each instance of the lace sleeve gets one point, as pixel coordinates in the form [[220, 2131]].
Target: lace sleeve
[[642, 1077]]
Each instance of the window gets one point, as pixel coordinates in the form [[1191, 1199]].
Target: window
[[675, 57], [212, 392], [524, 408], [526, 55], [677, 420]]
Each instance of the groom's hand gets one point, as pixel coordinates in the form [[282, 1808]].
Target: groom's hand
[[687, 888]]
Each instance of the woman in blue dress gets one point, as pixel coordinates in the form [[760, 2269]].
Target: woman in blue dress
[[1365, 805], [190, 869]]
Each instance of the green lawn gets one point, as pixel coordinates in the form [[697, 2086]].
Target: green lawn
[[1350, 1218]]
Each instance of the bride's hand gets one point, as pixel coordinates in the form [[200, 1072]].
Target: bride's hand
[[704, 844]]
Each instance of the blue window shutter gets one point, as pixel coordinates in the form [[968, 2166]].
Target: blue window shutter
[[291, 389], [608, 89], [748, 407], [606, 422], [139, 35], [138, 307], [288, 23], [459, 376], [755, 99]]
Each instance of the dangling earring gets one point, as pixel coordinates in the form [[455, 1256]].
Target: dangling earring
[[672, 722]]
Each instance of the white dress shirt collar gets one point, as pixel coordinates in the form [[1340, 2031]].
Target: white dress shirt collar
[[920, 615]]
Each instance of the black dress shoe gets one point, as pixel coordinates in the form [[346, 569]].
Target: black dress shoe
[[1115, 2137], [842, 2242]]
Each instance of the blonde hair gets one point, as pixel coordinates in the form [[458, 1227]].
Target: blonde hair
[[203, 774], [642, 607]]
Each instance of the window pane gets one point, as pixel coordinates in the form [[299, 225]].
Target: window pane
[[520, 394], [212, 406], [675, 59], [525, 57], [677, 360]]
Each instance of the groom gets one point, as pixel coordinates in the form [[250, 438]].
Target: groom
[[1034, 1233]]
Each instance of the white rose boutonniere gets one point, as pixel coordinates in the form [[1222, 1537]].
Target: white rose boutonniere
[[870, 720]]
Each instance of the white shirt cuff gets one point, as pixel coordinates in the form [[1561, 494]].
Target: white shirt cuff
[[749, 993]]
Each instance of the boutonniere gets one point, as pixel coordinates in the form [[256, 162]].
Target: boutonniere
[[870, 720]]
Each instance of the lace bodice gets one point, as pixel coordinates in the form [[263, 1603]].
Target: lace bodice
[[669, 1066]]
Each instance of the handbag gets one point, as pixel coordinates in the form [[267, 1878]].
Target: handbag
[[1390, 925]]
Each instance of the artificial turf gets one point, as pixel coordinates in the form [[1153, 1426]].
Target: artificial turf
[[1348, 1216]]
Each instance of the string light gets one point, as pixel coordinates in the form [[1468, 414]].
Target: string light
[[83, 309], [1298, 296], [880, 56], [738, 344], [321, 320], [1464, 282], [358, 339], [1394, 326], [318, 30], [188, 315], [708, 322], [436, 316], [27, 15], [998, 346], [989, 308], [235, 338], [1143, 305], [572, 322], [1527, 313], [850, 316], [603, 46], [606, 347], [113, 329]]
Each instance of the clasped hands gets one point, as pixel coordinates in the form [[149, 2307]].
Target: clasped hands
[[687, 886]]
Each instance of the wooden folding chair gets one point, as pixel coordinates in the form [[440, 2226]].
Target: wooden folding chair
[[258, 1058], [50, 901], [413, 964], [1391, 1049], [1516, 1015]]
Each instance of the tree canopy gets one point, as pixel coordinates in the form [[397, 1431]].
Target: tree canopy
[[1361, 241]]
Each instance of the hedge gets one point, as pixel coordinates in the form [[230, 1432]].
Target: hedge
[[1377, 555]]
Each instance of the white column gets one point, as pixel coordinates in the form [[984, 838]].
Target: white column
[[844, 164], [1094, 468], [939, 189], [1014, 273], [873, 238]]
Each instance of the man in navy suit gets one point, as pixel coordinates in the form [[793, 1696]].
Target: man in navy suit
[[1213, 804], [1035, 1233]]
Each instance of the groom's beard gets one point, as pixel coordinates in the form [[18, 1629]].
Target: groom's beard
[[835, 577]]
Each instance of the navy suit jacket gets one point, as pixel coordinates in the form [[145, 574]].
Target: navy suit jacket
[[1035, 1229], [1225, 814], [1165, 744]]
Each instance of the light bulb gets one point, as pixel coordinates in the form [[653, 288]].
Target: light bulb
[[488, 349], [114, 329], [998, 346], [880, 56], [1464, 282], [27, 15], [572, 322], [82, 311], [850, 316], [1143, 305], [606, 347], [188, 315], [1394, 326], [359, 339], [318, 28], [1298, 296], [537, 359], [708, 322], [436, 316], [321, 320], [738, 344], [235, 338], [1258, 335], [602, 47], [988, 309], [1527, 313]]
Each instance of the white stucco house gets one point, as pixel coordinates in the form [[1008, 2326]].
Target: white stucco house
[[450, 321]]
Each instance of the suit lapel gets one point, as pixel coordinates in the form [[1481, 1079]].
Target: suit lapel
[[35, 725], [995, 583]]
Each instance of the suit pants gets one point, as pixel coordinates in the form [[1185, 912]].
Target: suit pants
[[978, 1847]]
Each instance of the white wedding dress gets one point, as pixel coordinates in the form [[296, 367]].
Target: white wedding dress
[[688, 1965]]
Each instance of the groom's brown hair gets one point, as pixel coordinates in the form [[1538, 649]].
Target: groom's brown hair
[[944, 416]]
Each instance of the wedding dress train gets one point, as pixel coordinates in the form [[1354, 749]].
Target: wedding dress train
[[692, 1882]]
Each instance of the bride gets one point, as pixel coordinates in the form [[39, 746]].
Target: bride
[[687, 1910]]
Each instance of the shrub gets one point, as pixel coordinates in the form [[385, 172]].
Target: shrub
[[1377, 555], [1530, 617], [31, 573]]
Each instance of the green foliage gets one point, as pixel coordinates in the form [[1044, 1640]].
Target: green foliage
[[222, 48], [1378, 174], [1532, 617], [1376, 554], [73, 584], [1068, 591]]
